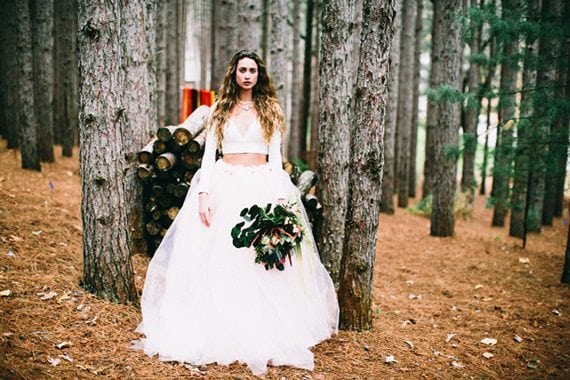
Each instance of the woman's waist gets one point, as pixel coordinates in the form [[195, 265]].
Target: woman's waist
[[245, 159]]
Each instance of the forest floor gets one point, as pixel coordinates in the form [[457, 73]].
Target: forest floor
[[435, 299]]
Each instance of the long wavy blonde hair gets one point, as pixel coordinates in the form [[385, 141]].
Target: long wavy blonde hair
[[269, 112]]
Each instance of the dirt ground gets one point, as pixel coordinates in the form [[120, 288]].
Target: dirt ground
[[435, 299]]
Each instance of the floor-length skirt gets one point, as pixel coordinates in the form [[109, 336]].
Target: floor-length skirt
[[205, 301]]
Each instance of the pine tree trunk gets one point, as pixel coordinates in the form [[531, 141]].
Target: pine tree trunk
[[138, 111], [566, 271], [293, 145], [472, 110], [447, 47], [10, 68], [554, 141], [563, 148], [541, 127], [41, 13], [486, 88], [365, 179], [161, 61], [265, 24], [151, 19], [306, 104], [226, 36], [432, 109], [172, 91], [279, 12], [523, 151], [26, 111], [336, 83], [412, 176], [406, 99], [507, 108], [106, 44], [66, 106], [250, 28], [315, 89], [387, 197], [205, 42]]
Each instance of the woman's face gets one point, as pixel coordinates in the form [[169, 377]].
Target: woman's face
[[246, 73]]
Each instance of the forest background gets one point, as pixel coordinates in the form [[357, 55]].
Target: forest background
[[383, 99]]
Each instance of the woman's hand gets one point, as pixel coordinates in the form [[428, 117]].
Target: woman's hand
[[204, 209]]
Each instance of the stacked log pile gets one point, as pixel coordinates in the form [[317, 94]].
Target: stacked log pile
[[169, 161], [166, 167]]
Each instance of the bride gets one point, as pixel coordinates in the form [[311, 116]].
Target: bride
[[205, 301]]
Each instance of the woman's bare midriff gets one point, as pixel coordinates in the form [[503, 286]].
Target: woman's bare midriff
[[245, 159]]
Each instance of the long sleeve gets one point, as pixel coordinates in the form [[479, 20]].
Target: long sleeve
[[275, 161], [208, 161]]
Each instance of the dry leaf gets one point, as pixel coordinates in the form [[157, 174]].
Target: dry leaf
[[37, 233], [518, 338], [8, 334], [457, 364], [533, 364], [53, 361], [410, 344], [389, 359], [487, 355], [67, 357], [15, 238], [556, 312], [63, 345], [478, 286], [47, 296], [489, 341], [524, 260], [64, 297], [449, 337], [414, 297], [11, 254], [5, 293]]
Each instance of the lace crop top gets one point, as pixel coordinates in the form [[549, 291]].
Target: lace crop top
[[252, 141]]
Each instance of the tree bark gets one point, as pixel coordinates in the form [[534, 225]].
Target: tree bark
[[468, 183], [507, 108], [541, 126], [294, 140], [69, 119], [312, 156], [333, 160], [365, 179], [307, 96], [566, 270], [250, 28], [226, 38], [137, 107], [563, 149], [555, 144], [523, 151], [279, 44], [173, 80], [416, 94], [432, 109], [42, 14], [10, 68], [447, 46], [161, 61], [405, 99], [111, 62], [387, 197], [26, 111]]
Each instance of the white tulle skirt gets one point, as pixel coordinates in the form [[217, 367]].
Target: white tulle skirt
[[205, 301]]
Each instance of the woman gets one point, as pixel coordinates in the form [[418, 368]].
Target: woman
[[204, 300]]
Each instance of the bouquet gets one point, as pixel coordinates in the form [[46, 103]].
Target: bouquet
[[274, 231]]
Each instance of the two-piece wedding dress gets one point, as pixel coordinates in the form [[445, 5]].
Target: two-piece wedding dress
[[205, 301]]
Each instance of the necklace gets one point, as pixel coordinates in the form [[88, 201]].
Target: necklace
[[245, 106]]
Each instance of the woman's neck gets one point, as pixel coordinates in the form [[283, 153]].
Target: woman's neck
[[245, 96]]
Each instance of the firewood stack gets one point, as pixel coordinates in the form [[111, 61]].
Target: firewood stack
[[168, 163], [166, 167]]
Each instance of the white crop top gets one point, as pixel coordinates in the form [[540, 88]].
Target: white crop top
[[252, 141]]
